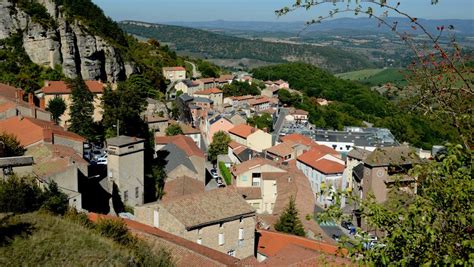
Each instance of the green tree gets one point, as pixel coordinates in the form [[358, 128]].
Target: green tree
[[20, 194], [264, 121], [289, 221], [220, 142], [12, 146], [82, 109], [56, 106], [122, 107], [237, 88], [174, 129], [55, 201]]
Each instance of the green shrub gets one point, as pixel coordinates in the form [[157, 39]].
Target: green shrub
[[20, 194], [116, 230], [225, 172], [78, 217], [55, 201]]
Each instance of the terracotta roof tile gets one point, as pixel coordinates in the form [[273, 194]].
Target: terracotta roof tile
[[188, 253], [251, 164], [178, 68], [234, 145], [250, 193], [314, 158], [183, 142], [8, 91], [243, 130], [208, 207], [259, 101], [61, 87], [209, 91], [298, 138], [30, 131], [282, 149], [273, 243], [181, 186]]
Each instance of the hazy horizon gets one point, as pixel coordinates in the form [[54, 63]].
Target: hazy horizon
[[259, 11]]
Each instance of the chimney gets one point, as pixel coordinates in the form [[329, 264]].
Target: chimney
[[43, 103], [20, 95], [31, 101]]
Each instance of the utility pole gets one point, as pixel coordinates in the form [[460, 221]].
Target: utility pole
[[118, 128]]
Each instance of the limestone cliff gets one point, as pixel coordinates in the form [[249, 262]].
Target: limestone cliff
[[68, 44]]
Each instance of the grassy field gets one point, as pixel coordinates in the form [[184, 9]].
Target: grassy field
[[358, 75], [42, 240], [375, 76]]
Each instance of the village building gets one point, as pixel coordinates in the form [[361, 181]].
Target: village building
[[215, 124], [126, 167], [188, 87], [297, 115], [174, 73], [30, 132], [260, 103], [181, 156], [239, 153], [218, 219], [52, 89], [214, 94], [251, 137], [12, 104], [324, 168]]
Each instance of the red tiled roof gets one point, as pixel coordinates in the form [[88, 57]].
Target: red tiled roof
[[272, 243], [8, 91], [298, 138], [259, 101], [183, 142], [300, 112], [7, 106], [178, 68], [234, 145], [61, 87], [241, 98], [181, 186], [313, 158], [30, 131], [196, 255], [206, 80], [243, 130], [282, 149], [251, 164], [209, 91]]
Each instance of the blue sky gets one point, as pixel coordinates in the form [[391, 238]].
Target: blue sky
[[258, 10]]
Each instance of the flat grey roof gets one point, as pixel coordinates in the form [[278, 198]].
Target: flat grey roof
[[123, 140], [16, 161]]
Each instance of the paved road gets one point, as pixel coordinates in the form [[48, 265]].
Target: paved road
[[195, 73], [279, 124]]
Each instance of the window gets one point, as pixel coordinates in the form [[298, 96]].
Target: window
[[156, 218], [241, 234], [137, 193], [125, 196], [255, 181], [199, 241], [221, 239]]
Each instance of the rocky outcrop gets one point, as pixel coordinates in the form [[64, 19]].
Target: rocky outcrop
[[68, 44]]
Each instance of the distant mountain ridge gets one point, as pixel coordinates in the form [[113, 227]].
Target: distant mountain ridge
[[462, 26], [219, 46]]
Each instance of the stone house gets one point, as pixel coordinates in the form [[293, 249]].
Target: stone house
[[251, 137], [126, 167], [31, 131], [174, 73], [181, 156], [62, 165], [324, 168], [215, 124], [51, 89], [297, 115], [12, 104], [20, 165], [214, 94], [260, 103], [188, 87], [258, 176], [218, 219]]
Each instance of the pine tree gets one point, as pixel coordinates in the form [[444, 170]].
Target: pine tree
[[82, 109], [289, 221]]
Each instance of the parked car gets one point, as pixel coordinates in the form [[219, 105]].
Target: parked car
[[87, 146], [336, 237], [97, 154], [214, 173], [87, 154], [101, 161], [347, 225]]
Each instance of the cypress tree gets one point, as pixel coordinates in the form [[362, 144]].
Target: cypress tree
[[289, 221], [82, 109]]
